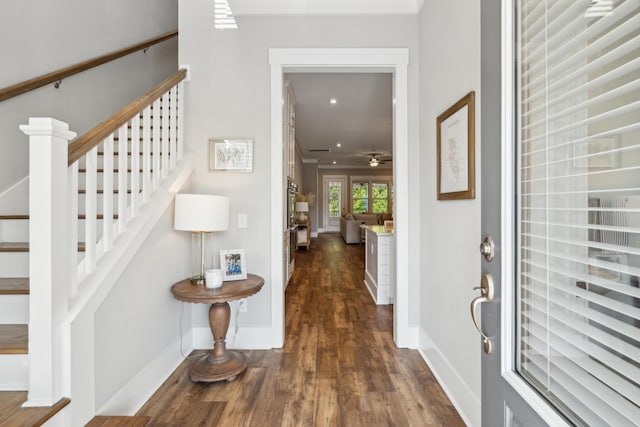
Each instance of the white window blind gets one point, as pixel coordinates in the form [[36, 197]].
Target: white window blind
[[579, 206]]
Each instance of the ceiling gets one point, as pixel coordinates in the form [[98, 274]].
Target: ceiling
[[361, 120], [323, 7]]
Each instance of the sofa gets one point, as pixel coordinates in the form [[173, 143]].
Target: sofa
[[350, 224]]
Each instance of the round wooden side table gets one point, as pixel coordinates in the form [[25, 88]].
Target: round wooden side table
[[219, 364]]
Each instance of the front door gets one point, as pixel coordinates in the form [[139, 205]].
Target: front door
[[561, 201], [335, 193]]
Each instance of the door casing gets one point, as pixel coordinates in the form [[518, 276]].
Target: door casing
[[396, 61]]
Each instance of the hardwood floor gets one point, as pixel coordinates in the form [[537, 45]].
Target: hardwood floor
[[339, 365]]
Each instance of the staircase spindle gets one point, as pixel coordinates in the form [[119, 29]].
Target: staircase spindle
[[91, 211], [180, 124], [107, 194], [165, 136], [173, 108], [122, 179], [135, 165], [146, 154], [157, 155]]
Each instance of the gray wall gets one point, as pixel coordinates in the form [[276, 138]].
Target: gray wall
[[229, 96], [40, 36], [449, 69]]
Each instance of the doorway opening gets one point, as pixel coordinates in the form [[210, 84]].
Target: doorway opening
[[394, 61]]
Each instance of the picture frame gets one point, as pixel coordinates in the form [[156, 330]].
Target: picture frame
[[233, 264], [455, 145], [231, 155]]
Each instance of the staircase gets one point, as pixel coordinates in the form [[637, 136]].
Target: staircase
[[148, 145]]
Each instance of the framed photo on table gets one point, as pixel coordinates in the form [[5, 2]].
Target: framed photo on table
[[455, 141], [233, 264], [231, 155]]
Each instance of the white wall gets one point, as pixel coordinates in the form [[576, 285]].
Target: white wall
[[229, 95], [140, 320], [450, 234], [40, 36]]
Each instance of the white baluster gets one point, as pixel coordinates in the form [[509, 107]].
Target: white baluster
[[165, 136], [157, 155], [72, 227], [135, 165], [146, 154], [180, 115], [48, 255], [107, 194], [173, 148], [90, 211], [123, 218]]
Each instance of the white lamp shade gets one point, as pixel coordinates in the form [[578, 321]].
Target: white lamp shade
[[201, 212], [302, 206]]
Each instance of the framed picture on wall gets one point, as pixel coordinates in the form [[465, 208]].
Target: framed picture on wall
[[231, 155], [455, 142], [233, 264]]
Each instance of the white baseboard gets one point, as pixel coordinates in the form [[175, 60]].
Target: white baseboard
[[136, 392], [247, 338], [314, 234], [320, 230], [465, 401], [14, 372]]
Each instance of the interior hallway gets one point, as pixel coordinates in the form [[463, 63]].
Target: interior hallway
[[339, 366]]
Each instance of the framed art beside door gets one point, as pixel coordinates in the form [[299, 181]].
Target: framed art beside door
[[456, 150]]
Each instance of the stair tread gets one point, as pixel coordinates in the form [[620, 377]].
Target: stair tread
[[101, 170], [16, 216], [24, 246], [13, 414], [23, 217], [14, 247], [14, 339], [14, 285], [119, 421]]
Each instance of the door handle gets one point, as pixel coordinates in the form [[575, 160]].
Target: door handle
[[486, 295]]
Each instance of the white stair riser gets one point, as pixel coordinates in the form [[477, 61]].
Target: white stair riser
[[14, 309], [18, 230], [14, 372], [14, 230], [14, 264]]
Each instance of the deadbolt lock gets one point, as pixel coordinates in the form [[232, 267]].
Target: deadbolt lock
[[487, 248]]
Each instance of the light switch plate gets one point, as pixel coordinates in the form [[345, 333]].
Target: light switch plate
[[242, 220]]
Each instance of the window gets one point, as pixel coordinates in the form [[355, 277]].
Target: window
[[360, 197], [380, 197], [579, 215], [371, 194]]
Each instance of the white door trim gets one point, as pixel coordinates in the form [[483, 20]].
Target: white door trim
[[395, 60]]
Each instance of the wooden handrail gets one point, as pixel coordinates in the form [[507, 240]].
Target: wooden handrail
[[54, 76], [81, 145]]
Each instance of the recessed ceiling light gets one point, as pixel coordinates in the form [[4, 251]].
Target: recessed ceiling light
[[338, 145], [333, 101], [334, 162]]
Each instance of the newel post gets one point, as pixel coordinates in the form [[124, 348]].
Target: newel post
[[48, 256]]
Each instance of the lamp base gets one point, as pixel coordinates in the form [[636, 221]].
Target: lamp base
[[197, 280]]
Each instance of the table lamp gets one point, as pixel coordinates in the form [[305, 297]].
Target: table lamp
[[302, 208], [201, 214]]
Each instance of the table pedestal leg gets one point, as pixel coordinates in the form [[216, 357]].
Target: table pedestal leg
[[219, 364]]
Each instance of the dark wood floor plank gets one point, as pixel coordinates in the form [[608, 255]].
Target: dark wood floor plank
[[338, 367], [13, 414]]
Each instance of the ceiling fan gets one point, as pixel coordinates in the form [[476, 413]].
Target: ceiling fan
[[376, 159]]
